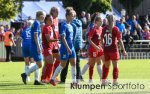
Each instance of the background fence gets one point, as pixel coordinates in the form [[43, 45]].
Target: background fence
[[140, 49]]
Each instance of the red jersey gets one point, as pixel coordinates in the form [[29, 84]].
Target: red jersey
[[56, 29], [111, 39], [47, 29], [95, 34]]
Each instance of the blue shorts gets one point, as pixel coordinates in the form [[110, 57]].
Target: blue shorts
[[37, 57], [64, 55], [26, 50]]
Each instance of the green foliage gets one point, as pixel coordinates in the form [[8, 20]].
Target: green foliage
[[89, 5], [9, 8], [78, 5], [130, 5], [101, 6]]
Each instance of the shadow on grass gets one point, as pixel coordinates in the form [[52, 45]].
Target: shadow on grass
[[21, 86]]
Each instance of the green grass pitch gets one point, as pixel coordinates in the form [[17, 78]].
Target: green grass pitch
[[11, 83]]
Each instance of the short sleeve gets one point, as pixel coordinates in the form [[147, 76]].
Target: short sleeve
[[63, 30], [102, 34], [36, 26], [46, 30], [91, 33]]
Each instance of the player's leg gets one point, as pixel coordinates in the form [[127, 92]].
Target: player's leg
[[90, 61], [38, 58], [99, 66], [115, 57], [105, 69], [78, 74], [49, 71], [64, 72], [91, 69], [27, 64], [57, 71], [115, 71], [26, 55], [73, 69], [99, 60], [56, 55], [73, 65]]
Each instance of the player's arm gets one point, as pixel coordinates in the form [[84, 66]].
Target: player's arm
[[66, 44], [122, 47], [49, 39], [11, 36], [37, 42], [93, 44]]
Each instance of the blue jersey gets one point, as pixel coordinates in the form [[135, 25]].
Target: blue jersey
[[26, 36], [36, 29], [67, 30]]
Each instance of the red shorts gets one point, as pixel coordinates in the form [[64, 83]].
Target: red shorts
[[56, 46], [111, 56], [94, 54], [47, 52]]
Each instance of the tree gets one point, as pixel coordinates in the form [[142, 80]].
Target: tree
[[9, 8], [130, 5], [78, 5], [101, 6]]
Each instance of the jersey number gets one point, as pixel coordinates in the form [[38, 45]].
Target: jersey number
[[108, 39], [28, 34]]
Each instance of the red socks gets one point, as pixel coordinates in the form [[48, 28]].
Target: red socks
[[43, 77], [91, 69], [115, 73], [47, 72], [105, 72]]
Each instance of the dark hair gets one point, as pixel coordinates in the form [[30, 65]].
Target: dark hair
[[47, 16]]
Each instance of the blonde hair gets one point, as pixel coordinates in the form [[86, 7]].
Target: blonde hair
[[98, 16], [69, 11], [39, 13], [54, 9]]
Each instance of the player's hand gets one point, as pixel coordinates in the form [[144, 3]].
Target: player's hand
[[97, 48], [39, 51], [69, 51], [124, 53]]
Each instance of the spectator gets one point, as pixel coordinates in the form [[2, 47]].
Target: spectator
[[139, 31], [104, 22], [128, 39], [133, 23], [88, 18], [121, 26], [145, 34], [84, 23], [9, 42], [2, 34], [145, 21], [135, 36]]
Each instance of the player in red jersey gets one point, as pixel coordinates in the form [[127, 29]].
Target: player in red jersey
[[47, 43], [110, 37], [95, 50], [54, 12]]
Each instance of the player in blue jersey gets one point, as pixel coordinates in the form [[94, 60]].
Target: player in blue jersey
[[36, 48], [26, 45], [67, 51]]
